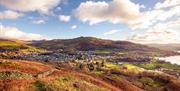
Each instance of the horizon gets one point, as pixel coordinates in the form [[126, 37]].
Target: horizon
[[91, 37], [137, 21]]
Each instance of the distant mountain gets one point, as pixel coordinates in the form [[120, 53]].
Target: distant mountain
[[94, 44], [170, 47]]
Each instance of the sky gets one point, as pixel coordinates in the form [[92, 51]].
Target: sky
[[139, 21]]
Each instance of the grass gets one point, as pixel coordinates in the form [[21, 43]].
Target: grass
[[22, 47], [5, 75], [5, 63], [103, 51], [154, 65], [39, 86], [150, 66], [9, 44], [122, 53], [98, 72], [112, 65], [169, 66], [65, 83], [31, 49], [155, 83], [130, 67], [71, 83], [23, 66]]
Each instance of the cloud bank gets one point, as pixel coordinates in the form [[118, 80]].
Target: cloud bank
[[160, 23], [126, 12], [14, 33]]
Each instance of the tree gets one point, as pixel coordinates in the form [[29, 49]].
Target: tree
[[103, 63], [91, 67]]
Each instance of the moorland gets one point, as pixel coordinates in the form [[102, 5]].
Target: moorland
[[85, 64]]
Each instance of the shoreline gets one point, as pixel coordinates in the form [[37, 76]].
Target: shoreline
[[172, 59]]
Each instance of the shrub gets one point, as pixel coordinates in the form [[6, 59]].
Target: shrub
[[146, 81], [41, 87], [91, 67]]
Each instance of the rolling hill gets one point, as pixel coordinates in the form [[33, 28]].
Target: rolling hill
[[94, 44], [13, 48], [81, 44], [7, 45]]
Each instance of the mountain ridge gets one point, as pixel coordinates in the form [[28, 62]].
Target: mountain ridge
[[93, 44]]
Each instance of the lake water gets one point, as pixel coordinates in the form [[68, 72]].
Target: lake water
[[171, 59]]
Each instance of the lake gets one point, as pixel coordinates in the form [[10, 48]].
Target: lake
[[171, 59]]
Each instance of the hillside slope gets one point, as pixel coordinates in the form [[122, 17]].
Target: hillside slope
[[7, 45], [13, 48], [34, 76]]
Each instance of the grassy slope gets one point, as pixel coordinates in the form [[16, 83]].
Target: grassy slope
[[23, 79], [19, 76], [17, 45], [8, 44]]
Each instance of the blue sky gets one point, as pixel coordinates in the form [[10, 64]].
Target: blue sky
[[132, 24]]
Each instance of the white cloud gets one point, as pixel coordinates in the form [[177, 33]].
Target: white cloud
[[117, 11], [142, 6], [160, 24], [127, 12], [154, 16], [64, 18], [15, 33], [111, 32], [167, 3], [41, 6], [161, 33], [39, 21], [74, 27], [8, 14], [159, 37]]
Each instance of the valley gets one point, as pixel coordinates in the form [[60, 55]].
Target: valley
[[85, 64]]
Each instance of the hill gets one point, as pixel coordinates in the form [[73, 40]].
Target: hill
[[95, 44], [21, 75], [7, 45], [171, 47], [12, 48]]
